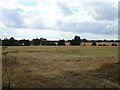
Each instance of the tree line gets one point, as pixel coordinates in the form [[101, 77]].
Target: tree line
[[44, 42], [41, 41]]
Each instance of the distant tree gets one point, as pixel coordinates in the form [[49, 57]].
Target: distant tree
[[61, 42], [10, 42], [76, 38], [75, 41], [93, 43], [84, 40], [50, 43], [98, 40], [43, 41], [72, 42], [105, 40], [5, 42], [36, 41], [27, 43], [111, 40], [0, 42], [22, 42]]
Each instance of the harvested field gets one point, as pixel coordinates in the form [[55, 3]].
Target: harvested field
[[61, 67]]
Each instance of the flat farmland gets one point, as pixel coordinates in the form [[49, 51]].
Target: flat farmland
[[60, 66]]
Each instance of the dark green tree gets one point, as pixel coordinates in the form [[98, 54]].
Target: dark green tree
[[10, 42], [43, 41], [75, 41], [50, 43], [61, 42], [84, 40], [24, 42], [93, 43], [36, 41], [0, 42]]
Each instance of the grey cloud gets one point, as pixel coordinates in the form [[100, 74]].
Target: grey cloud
[[119, 12], [101, 10], [106, 12], [12, 17], [87, 27], [65, 9]]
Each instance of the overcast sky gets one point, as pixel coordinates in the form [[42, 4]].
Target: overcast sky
[[59, 19]]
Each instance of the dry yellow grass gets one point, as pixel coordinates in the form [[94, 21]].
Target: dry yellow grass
[[106, 43], [62, 67]]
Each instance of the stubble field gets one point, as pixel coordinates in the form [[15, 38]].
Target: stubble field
[[61, 66]]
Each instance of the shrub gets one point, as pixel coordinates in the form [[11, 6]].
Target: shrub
[[113, 44], [104, 44], [94, 43], [84, 44], [99, 44]]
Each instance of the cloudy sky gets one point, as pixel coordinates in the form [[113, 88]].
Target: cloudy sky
[[59, 19]]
